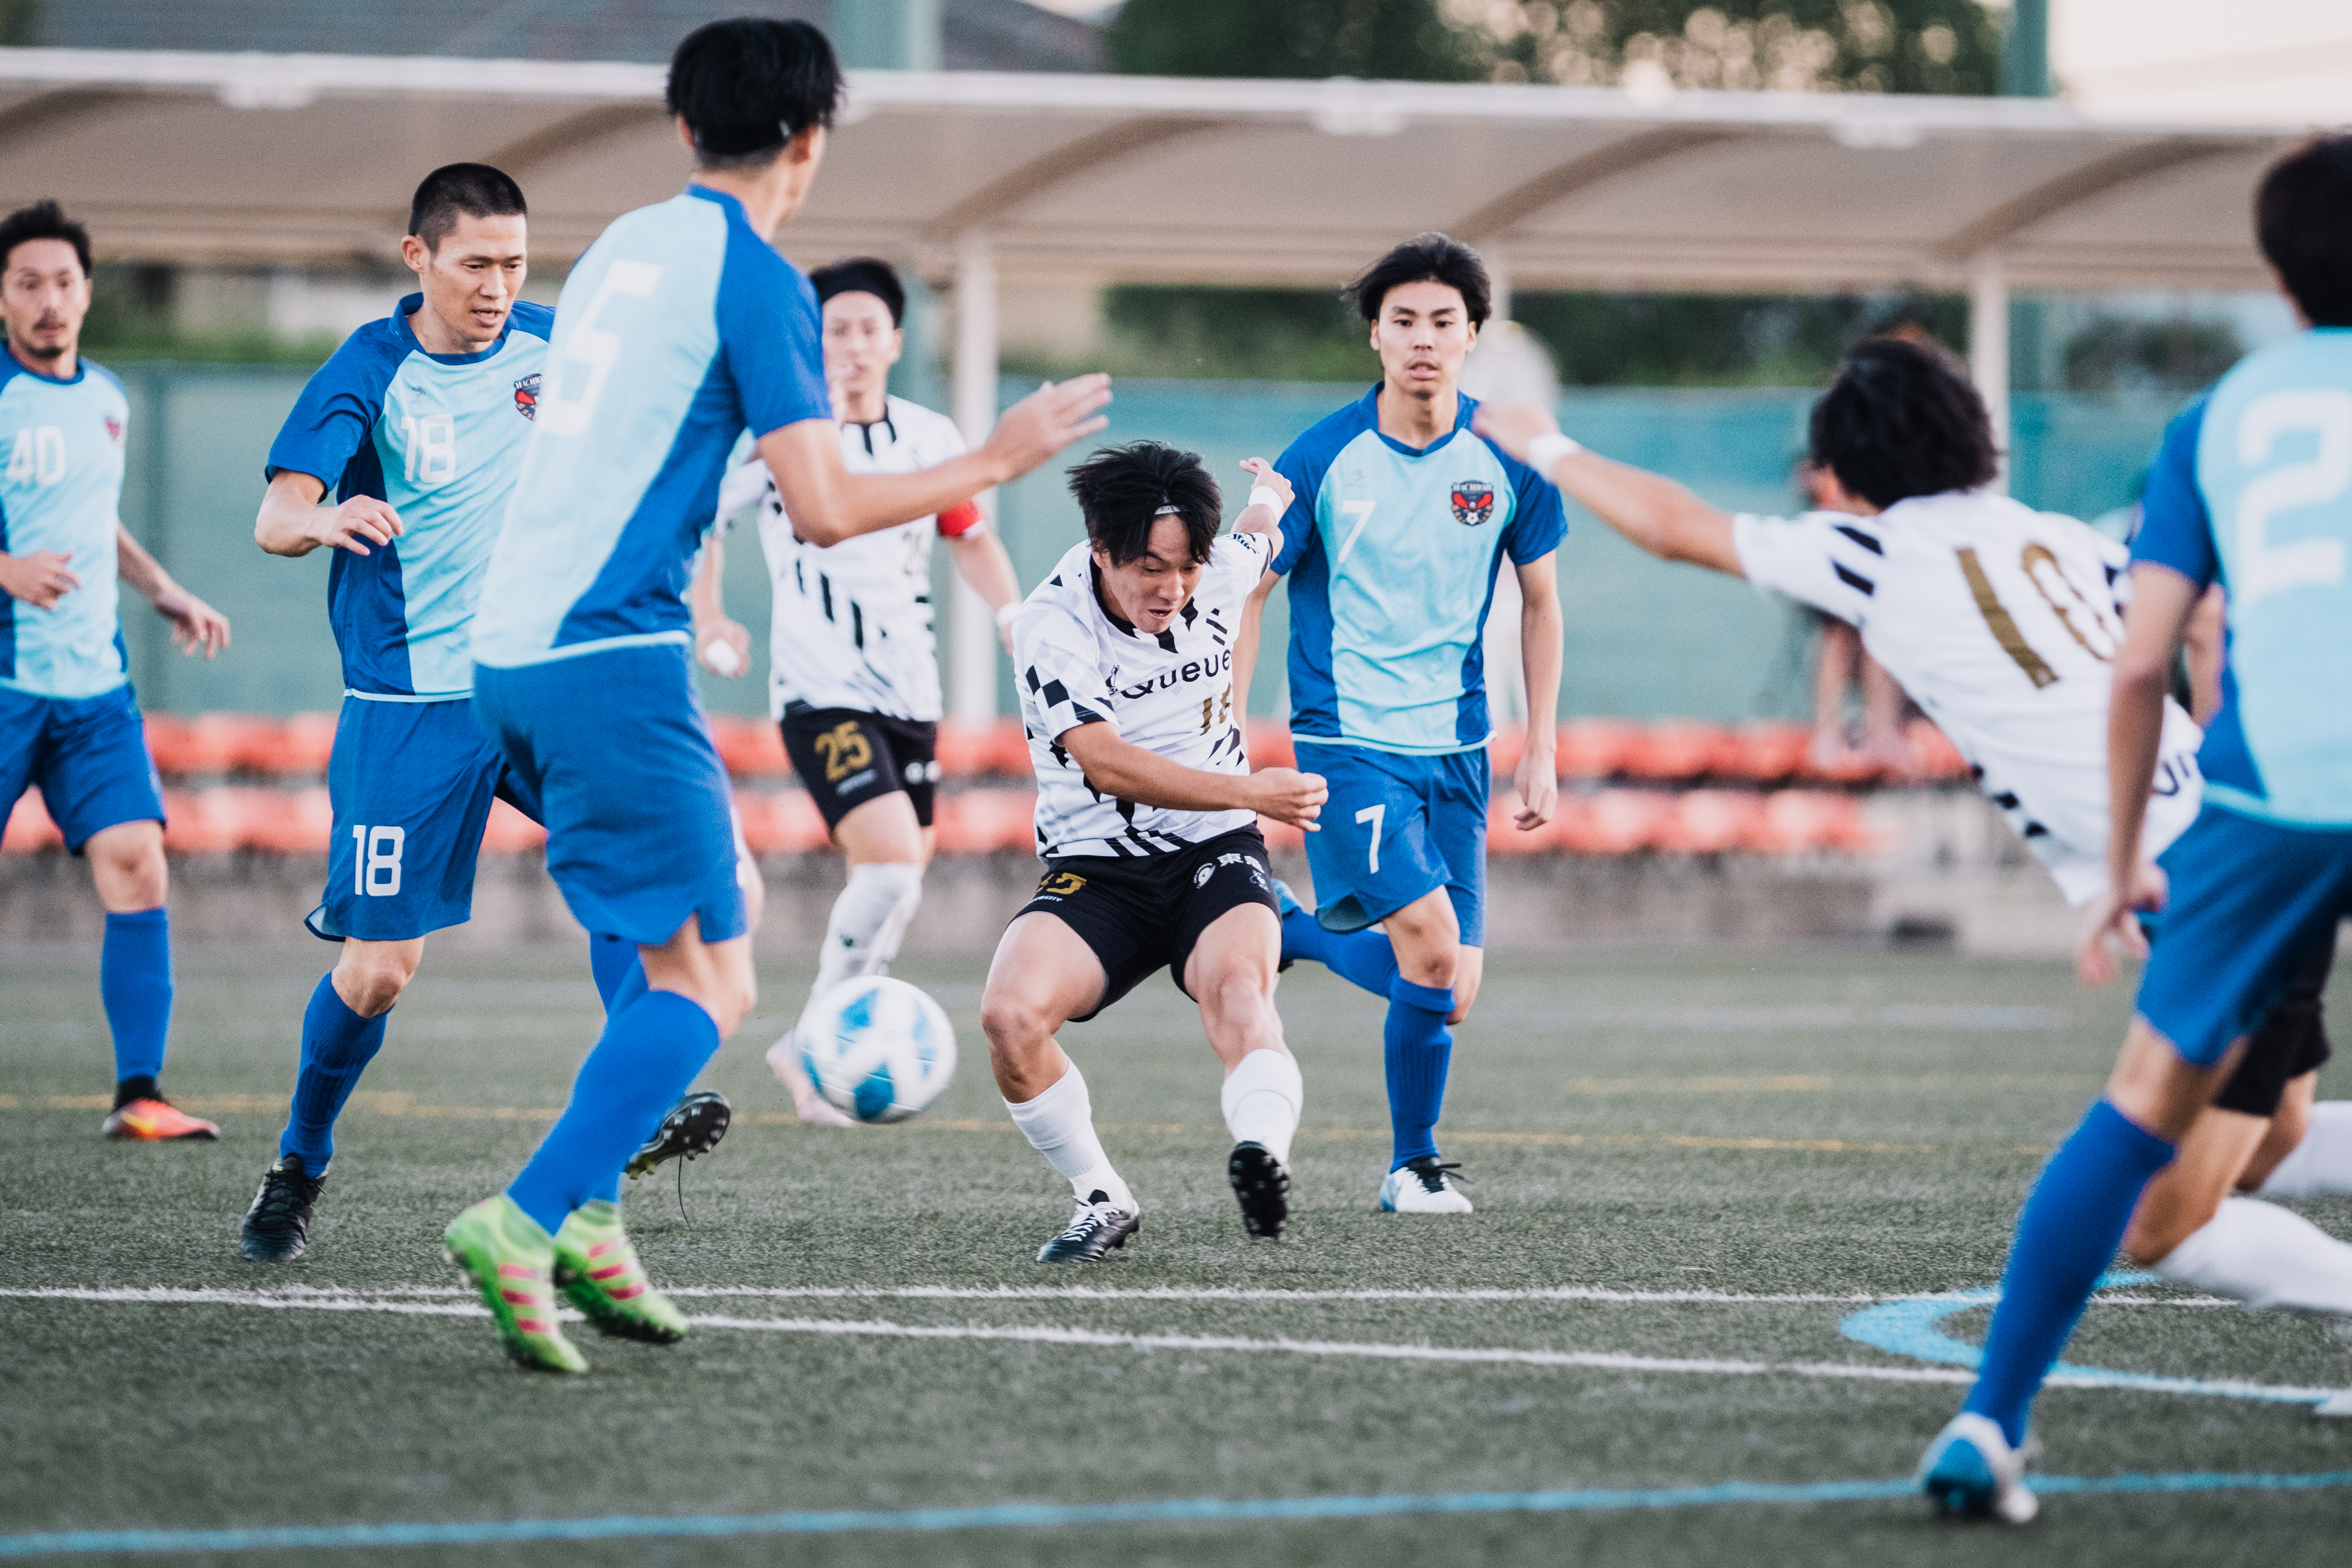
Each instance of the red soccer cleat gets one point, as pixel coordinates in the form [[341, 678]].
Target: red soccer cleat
[[154, 1120]]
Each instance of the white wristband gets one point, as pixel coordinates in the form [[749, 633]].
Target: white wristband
[[1005, 612], [1548, 448], [1265, 496]]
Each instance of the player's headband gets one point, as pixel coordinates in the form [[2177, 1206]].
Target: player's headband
[[1169, 511]]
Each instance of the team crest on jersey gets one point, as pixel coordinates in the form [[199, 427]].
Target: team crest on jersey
[[1474, 502], [527, 397], [114, 429]]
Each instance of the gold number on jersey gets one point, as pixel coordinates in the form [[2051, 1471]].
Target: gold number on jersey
[[2041, 567], [1999, 622], [1218, 709], [845, 750]]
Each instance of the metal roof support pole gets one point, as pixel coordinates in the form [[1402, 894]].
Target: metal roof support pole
[[1989, 349], [970, 628]]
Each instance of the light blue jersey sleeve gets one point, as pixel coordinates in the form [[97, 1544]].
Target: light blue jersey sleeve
[[2274, 466], [62, 454]]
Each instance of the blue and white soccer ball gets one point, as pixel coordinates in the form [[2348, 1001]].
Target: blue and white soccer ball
[[878, 1049]]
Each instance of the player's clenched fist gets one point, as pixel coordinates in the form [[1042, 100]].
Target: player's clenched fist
[[1288, 795], [1048, 419]]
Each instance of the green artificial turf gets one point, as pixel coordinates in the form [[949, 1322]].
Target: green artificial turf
[[1840, 1122]]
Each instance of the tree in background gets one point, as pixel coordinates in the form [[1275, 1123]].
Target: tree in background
[[1397, 40]]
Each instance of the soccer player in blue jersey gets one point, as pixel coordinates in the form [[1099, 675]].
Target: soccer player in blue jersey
[[1402, 520], [2263, 875], [677, 330], [417, 424], [69, 723]]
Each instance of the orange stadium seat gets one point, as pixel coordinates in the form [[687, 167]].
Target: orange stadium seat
[[1269, 745], [987, 821], [1676, 751], [752, 748], [1594, 748], [1503, 835], [1797, 820], [206, 821], [1503, 753], [1766, 753], [779, 822], [1711, 822], [1008, 750], [510, 832], [289, 822], [300, 747], [963, 749], [30, 830], [1935, 755], [1616, 822]]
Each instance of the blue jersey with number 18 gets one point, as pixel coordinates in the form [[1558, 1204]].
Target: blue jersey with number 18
[[680, 329]]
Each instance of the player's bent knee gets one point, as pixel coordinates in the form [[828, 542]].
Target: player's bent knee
[[127, 864]]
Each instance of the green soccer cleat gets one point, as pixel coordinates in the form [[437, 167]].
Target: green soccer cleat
[[597, 1269], [510, 1257]]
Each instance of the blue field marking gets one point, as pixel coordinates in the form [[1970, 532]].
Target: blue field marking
[[1913, 1327], [1047, 1516]]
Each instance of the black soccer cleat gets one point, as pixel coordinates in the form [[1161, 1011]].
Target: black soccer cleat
[[278, 1226], [1097, 1229], [1261, 1182], [691, 1129]]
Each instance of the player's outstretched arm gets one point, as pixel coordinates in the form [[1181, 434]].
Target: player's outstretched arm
[[2162, 602], [195, 624], [1127, 771], [827, 503], [1655, 513], [292, 522]]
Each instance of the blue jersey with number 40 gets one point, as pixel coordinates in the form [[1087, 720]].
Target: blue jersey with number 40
[[678, 329], [438, 437], [60, 484], [2253, 490]]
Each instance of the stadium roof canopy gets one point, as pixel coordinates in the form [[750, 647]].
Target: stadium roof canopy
[[276, 158]]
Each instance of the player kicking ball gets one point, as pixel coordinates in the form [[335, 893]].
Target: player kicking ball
[[854, 676], [680, 328], [69, 721], [1404, 519], [1147, 821]]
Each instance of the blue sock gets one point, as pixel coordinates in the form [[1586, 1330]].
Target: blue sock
[[1417, 1049], [1362, 957], [2073, 1222], [134, 981], [650, 1052], [620, 975], [337, 1046]]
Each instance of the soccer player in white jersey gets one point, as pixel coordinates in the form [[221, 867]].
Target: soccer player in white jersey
[[1998, 620], [69, 721], [417, 424], [1147, 821], [678, 329], [854, 677], [1404, 519]]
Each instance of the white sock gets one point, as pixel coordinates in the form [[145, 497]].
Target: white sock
[[1060, 1125], [2322, 1162], [869, 920], [2264, 1256], [1261, 1100]]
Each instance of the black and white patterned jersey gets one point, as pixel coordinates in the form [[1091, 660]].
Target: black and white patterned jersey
[[852, 622], [2002, 622], [1173, 693]]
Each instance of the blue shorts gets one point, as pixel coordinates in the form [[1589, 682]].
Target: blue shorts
[[2250, 902], [411, 783], [1397, 828], [640, 819], [88, 755]]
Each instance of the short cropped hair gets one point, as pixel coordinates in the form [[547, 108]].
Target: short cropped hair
[[748, 85], [863, 275], [471, 190], [43, 220], [2303, 218], [1425, 258], [1122, 492], [1900, 421]]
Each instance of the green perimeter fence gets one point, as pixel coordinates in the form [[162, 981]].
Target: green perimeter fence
[[1645, 639]]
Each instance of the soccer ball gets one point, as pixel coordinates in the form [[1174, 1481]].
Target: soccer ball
[[878, 1049]]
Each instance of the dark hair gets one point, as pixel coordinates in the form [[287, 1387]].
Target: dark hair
[[43, 220], [1425, 258], [862, 275], [476, 190], [1121, 490], [1901, 421], [2302, 216], [748, 85]]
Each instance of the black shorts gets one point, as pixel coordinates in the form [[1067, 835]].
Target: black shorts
[[846, 758], [2290, 1041], [1139, 914]]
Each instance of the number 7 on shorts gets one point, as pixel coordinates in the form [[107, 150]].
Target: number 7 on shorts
[[1374, 814]]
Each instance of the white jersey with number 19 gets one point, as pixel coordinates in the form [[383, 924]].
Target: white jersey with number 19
[[2002, 621]]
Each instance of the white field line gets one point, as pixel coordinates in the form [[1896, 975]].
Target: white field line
[[322, 1296]]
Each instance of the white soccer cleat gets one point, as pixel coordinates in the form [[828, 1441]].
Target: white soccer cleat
[[812, 1107], [1423, 1186], [1969, 1472]]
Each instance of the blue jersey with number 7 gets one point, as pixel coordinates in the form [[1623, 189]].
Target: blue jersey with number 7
[[678, 329]]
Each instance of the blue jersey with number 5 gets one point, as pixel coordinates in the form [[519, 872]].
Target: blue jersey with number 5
[[438, 437], [2253, 490], [678, 329]]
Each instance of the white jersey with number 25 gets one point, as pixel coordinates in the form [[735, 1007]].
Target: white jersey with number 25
[[2002, 622]]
